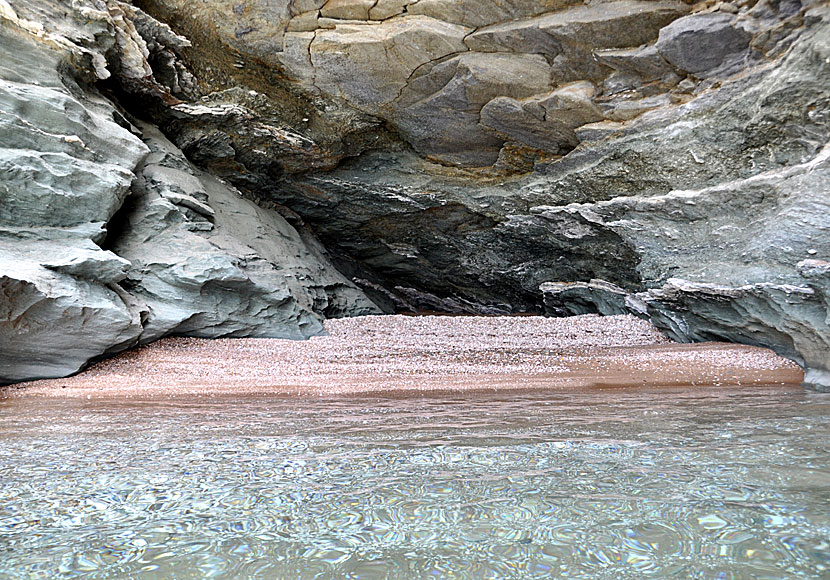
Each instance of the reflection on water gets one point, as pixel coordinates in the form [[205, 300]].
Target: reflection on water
[[602, 484]]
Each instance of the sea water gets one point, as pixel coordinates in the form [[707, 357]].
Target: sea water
[[597, 484]]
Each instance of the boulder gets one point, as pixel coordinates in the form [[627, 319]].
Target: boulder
[[384, 9], [702, 42], [475, 13], [439, 110], [347, 9], [305, 22], [368, 65], [569, 37], [546, 121], [644, 61]]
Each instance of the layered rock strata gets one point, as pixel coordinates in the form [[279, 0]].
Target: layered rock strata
[[637, 156], [629, 142], [109, 237]]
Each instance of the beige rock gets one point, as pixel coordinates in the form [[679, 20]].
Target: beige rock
[[544, 122], [477, 13], [301, 6], [469, 80], [566, 36], [571, 105], [305, 22], [439, 110], [627, 109], [295, 57], [332, 23], [384, 9], [368, 64], [347, 9], [597, 131]]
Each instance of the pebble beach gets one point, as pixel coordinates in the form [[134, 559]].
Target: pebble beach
[[408, 354]]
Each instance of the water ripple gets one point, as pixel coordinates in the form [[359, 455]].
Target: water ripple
[[712, 484]]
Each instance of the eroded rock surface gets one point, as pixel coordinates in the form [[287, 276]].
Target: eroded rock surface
[[755, 236], [653, 157], [205, 262], [428, 68], [106, 242], [66, 167]]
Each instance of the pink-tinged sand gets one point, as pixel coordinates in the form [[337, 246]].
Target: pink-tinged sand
[[394, 354]]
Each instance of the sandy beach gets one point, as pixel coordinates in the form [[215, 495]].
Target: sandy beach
[[400, 354]]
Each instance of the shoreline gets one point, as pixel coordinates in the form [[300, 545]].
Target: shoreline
[[405, 355]]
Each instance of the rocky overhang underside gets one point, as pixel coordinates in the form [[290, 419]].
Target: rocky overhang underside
[[248, 167]]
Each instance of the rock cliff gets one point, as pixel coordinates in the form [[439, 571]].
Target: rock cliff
[[654, 157], [109, 236]]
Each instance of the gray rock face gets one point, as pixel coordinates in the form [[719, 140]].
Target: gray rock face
[[449, 155], [762, 228], [701, 42], [205, 262], [184, 253], [66, 169], [790, 319]]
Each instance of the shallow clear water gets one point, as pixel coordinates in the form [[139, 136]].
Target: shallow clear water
[[602, 484]]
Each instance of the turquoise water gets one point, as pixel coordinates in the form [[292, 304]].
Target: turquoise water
[[615, 484]]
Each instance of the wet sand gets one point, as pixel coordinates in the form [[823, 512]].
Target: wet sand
[[402, 354]]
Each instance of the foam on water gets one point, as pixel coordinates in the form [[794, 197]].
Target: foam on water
[[596, 484]]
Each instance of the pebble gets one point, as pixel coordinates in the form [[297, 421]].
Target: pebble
[[426, 353]]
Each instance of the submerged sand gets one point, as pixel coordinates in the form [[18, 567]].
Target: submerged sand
[[393, 354]]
